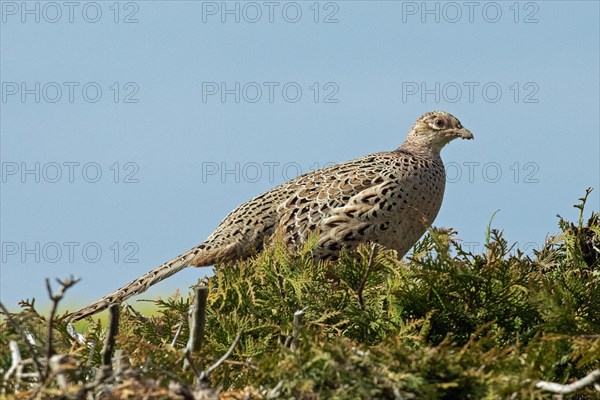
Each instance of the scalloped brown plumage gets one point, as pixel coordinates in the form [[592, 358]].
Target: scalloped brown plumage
[[389, 198]]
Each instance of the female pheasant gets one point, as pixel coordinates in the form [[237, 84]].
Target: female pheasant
[[389, 198]]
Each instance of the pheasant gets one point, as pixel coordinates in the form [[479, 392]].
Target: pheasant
[[390, 198]]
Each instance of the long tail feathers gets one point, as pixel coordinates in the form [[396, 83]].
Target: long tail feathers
[[140, 285]]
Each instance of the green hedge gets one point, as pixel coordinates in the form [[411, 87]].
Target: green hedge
[[444, 324]]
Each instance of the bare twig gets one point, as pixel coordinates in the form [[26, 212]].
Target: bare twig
[[298, 317], [56, 366], [15, 356], [201, 388], [20, 374], [177, 332], [44, 372], [557, 388], [109, 341], [92, 346], [105, 370], [56, 298], [32, 351], [79, 338], [198, 319], [190, 362], [145, 320], [206, 373], [122, 364], [136, 313], [274, 393]]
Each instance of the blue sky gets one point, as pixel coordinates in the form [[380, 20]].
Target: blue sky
[[129, 130]]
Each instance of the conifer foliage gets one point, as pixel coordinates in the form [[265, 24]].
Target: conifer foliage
[[445, 323]]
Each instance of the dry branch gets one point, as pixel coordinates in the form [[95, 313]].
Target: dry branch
[[558, 388], [198, 319], [15, 356], [32, 351], [56, 298], [298, 317], [206, 373], [105, 370], [109, 341]]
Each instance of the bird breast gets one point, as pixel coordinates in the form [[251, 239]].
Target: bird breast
[[415, 198]]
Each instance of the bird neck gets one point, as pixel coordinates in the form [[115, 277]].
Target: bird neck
[[420, 148]]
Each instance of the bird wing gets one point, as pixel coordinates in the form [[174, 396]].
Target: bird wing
[[343, 202]]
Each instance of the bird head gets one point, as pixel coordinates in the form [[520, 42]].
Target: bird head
[[436, 129]]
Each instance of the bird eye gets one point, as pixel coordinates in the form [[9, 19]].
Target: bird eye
[[439, 123]]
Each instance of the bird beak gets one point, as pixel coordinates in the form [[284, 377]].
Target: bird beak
[[464, 133]]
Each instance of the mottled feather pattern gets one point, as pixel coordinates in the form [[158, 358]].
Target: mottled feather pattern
[[389, 198]]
